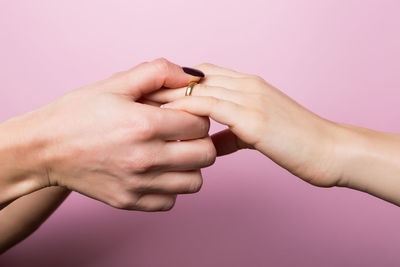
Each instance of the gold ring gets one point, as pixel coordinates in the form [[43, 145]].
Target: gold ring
[[189, 89]]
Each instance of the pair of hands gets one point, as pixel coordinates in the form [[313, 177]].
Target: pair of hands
[[111, 141]]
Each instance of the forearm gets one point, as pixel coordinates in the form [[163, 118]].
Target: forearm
[[24, 215], [370, 162], [21, 168]]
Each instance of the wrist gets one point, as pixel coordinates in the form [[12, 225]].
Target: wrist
[[22, 165], [359, 151], [347, 144]]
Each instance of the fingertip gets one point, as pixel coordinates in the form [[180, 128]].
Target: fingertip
[[193, 75], [173, 75]]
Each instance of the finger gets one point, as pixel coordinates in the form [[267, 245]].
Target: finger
[[185, 182], [212, 83], [222, 111], [148, 77], [211, 69], [231, 83], [226, 142], [186, 155], [169, 95], [155, 202], [248, 83], [178, 125], [235, 116], [166, 95], [149, 102]]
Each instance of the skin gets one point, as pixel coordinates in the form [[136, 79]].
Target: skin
[[24, 215], [104, 142], [319, 151]]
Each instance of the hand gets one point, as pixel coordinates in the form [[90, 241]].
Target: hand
[[260, 116], [99, 141]]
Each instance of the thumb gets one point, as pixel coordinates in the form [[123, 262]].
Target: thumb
[[150, 76], [226, 142]]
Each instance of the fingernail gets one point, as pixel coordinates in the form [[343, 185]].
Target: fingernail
[[193, 72]]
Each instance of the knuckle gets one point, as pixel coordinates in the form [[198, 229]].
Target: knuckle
[[195, 185], [169, 204], [204, 126], [141, 64], [257, 81], [168, 208], [205, 65], [211, 156], [161, 64], [255, 78], [145, 128], [180, 187], [214, 102], [141, 161], [137, 184], [254, 81], [166, 205], [210, 152], [141, 165], [188, 186], [124, 202]]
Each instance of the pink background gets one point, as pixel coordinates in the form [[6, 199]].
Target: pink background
[[338, 58]]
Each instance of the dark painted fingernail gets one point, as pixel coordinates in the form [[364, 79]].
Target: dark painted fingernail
[[193, 72]]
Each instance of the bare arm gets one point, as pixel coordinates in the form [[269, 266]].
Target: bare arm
[[25, 215], [370, 162]]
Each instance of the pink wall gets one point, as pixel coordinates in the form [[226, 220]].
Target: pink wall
[[339, 58]]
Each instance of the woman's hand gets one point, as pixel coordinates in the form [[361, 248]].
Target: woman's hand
[[101, 142], [319, 151], [260, 116]]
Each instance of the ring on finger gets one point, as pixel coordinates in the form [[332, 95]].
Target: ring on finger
[[189, 89]]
